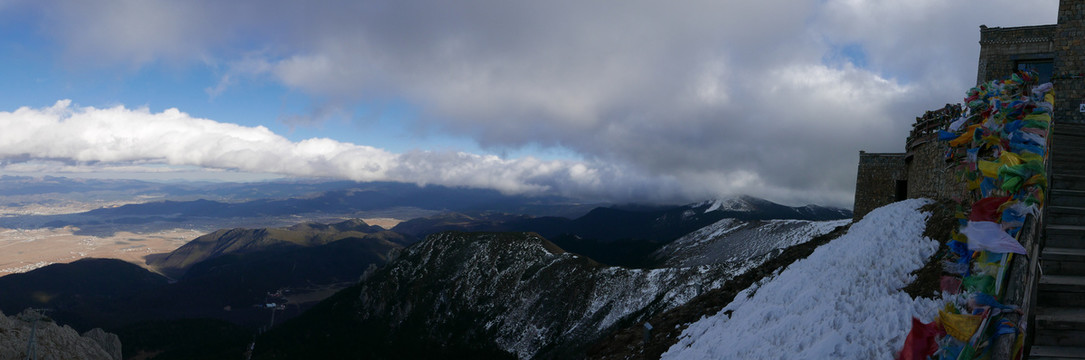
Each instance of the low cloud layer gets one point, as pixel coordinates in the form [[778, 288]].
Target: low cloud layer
[[666, 101], [122, 139]]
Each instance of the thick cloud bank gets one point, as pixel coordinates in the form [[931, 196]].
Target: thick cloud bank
[[125, 138]]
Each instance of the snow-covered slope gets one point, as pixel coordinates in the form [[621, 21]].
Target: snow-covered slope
[[731, 240], [728, 204], [842, 302]]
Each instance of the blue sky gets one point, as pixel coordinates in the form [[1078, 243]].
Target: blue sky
[[649, 102], [35, 63]]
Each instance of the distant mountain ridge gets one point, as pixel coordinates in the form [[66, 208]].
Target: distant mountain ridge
[[282, 202], [639, 230], [223, 279], [658, 223], [761, 209], [240, 241]]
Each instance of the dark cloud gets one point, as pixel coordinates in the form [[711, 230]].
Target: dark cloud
[[680, 99]]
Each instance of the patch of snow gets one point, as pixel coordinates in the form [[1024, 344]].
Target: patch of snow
[[687, 214], [842, 302], [729, 204]]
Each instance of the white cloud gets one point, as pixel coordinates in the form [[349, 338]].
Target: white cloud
[[121, 135], [85, 140], [127, 140]]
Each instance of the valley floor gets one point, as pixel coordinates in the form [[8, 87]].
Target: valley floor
[[25, 250]]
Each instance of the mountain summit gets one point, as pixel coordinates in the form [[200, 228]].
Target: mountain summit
[[749, 207]]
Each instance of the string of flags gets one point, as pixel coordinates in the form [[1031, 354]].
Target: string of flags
[[1000, 145]]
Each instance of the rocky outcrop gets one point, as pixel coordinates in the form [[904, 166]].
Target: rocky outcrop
[[108, 341], [52, 341]]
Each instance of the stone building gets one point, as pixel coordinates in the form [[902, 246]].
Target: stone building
[[882, 179], [1003, 50], [1048, 283], [921, 171], [1053, 51]]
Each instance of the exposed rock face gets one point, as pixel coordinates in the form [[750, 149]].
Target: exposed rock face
[[52, 341]]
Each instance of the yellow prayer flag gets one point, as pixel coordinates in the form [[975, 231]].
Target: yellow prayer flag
[[961, 327]]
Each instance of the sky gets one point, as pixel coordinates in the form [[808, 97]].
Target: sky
[[631, 101]]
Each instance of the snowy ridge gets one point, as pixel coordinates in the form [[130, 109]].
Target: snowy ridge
[[730, 240], [527, 294], [842, 302], [751, 208], [811, 209]]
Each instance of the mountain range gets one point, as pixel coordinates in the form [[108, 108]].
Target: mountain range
[[257, 204], [221, 285], [501, 289], [485, 295], [640, 231]]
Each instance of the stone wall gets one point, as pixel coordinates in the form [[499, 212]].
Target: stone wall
[[876, 184], [929, 175], [1069, 77], [922, 171], [1002, 48]]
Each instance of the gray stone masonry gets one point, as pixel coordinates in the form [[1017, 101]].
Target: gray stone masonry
[[1001, 48], [1070, 62], [876, 182]]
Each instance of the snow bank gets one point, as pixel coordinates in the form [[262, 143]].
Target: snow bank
[[842, 302]]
